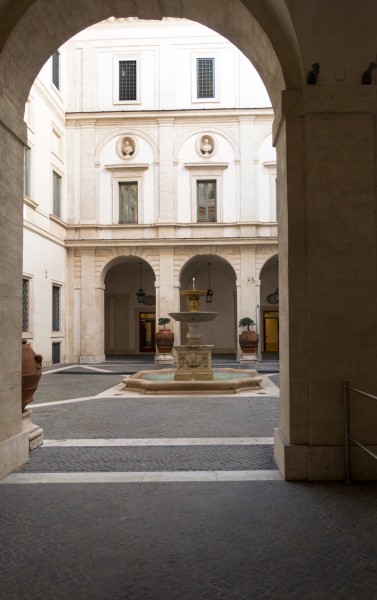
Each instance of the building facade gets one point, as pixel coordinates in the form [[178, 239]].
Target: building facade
[[148, 164]]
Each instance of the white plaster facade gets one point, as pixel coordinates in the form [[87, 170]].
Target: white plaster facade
[[79, 131]]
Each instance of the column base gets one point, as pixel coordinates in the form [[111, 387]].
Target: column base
[[164, 359], [14, 452], [92, 358], [308, 463], [248, 359], [34, 432]]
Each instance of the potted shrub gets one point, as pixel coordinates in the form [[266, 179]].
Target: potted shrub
[[164, 337], [248, 339]]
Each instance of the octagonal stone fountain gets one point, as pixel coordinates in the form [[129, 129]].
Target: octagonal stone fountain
[[194, 372]]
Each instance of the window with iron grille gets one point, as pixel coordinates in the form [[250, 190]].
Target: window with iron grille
[[55, 353], [56, 69], [205, 77], [128, 201], [56, 308], [25, 304], [127, 80], [56, 209], [206, 201]]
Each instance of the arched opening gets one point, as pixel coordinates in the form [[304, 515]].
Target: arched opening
[[269, 309], [278, 63], [130, 308], [216, 276]]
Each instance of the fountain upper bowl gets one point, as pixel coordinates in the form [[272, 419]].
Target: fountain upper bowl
[[193, 317]]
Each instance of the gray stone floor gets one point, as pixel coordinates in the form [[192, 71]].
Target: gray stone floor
[[239, 540]]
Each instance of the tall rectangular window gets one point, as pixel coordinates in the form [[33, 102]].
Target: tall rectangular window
[[56, 69], [206, 201], [55, 353], [56, 209], [128, 201], [56, 308], [205, 77], [127, 80], [27, 169], [25, 305]]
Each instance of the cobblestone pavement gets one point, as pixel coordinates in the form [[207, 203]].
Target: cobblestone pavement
[[198, 458], [236, 540], [228, 541], [159, 417]]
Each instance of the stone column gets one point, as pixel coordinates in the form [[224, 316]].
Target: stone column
[[248, 295], [166, 302], [326, 139], [14, 442], [92, 310], [89, 201], [167, 208], [247, 172]]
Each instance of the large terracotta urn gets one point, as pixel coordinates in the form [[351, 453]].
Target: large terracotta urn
[[164, 341], [31, 373], [248, 339], [248, 342]]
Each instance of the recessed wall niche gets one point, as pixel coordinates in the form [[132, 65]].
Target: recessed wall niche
[[127, 147], [206, 145]]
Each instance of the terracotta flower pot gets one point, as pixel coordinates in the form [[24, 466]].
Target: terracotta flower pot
[[31, 373], [248, 341], [164, 341]]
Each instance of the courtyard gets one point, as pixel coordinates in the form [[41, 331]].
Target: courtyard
[[173, 498]]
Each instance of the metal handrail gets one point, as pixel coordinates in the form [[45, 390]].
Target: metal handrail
[[347, 428]]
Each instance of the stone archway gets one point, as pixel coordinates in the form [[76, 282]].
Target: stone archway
[[129, 318], [313, 173], [216, 274], [18, 70]]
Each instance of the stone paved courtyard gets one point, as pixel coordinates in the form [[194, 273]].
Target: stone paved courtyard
[[191, 539]]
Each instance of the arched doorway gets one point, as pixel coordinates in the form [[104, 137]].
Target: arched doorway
[[216, 276], [130, 305], [269, 309]]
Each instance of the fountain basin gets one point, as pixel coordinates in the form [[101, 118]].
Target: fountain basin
[[225, 381]]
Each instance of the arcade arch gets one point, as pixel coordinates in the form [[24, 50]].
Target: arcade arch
[[269, 308], [130, 320], [211, 272], [318, 178]]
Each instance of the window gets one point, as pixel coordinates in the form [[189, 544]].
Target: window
[[205, 77], [206, 201], [56, 209], [128, 202], [127, 80], [56, 69], [55, 353], [27, 168], [55, 308], [25, 304]]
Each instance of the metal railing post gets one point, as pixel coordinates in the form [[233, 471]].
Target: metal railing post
[[347, 445]]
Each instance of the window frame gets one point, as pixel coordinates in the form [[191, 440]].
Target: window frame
[[206, 180], [58, 287], [55, 200], [27, 191], [128, 183], [216, 79], [56, 67], [27, 318], [118, 58]]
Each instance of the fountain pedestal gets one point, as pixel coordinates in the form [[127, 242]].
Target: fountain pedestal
[[194, 363]]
